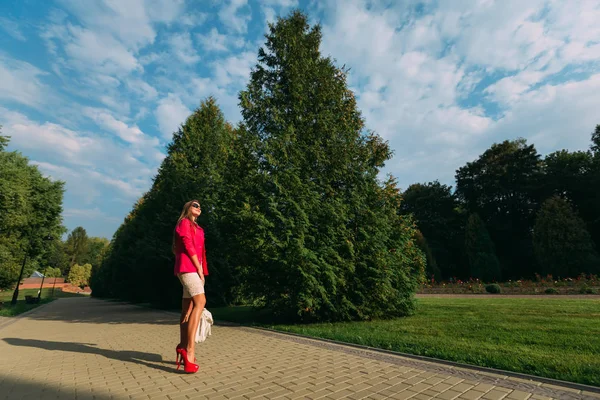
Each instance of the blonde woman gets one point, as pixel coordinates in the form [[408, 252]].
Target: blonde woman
[[190, 268]]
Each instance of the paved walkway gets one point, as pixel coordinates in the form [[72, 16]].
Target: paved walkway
[[82, 348]]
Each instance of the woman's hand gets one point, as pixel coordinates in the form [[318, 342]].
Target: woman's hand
[[200, 272]]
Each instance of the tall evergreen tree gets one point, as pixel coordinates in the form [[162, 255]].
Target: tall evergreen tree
[[562, 244], [480, 249], [327, 240], [141, 248]]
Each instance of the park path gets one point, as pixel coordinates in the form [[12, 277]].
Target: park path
[[84, 348]]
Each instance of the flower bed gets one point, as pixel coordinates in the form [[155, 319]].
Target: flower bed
[[583, 284]]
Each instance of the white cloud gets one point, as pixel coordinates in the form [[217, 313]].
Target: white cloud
[[271, 9], [87, 48], [108, 34], [115, 104], [142, 89], [89, 213], [227, 97], [554, 117], [270, 14], [183, 48], [142, 113], [280, 3], [12, 28], [507, 90], [193, 19], [130, 22], [170, 114], [215, 41], [234, 70], [130, 134], [231, 17], [76, 156], [76, 181], [20, 83], [166, 11]]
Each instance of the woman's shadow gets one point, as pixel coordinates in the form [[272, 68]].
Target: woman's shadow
[[137, 357]]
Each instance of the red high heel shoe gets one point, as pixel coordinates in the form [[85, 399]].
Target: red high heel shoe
[[178, 355], [188, 367]]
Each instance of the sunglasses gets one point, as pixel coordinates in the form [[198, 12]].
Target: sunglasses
[[196, 205]]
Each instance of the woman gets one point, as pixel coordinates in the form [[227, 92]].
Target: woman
[[190, 268]]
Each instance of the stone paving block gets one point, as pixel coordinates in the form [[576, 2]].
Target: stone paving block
[[518, 395], [376, 396], [414, 380], [421, 396], [463, 387], [319, 394], [540, 397], [403, 395], [358, 387], [448, 395], [429, 393], [320, 386], [434, 380], [472, 395], [363, 394], [495, 394], [340, 394], [453, 380], [441, 387], [419, 387], [483, 387]]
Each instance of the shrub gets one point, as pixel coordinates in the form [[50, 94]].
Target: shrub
[[551, 290], [587, 290], [79, 275], [493, 288]]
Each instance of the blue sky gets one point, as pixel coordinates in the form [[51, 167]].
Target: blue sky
[[91, 91]]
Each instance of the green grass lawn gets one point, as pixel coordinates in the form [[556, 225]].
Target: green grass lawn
[[554, 338], [9, 310]]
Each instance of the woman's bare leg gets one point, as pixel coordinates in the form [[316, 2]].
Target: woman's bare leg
[[192, 325], [186, 309]]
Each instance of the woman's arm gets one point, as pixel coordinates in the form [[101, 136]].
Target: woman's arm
[[185, 231]]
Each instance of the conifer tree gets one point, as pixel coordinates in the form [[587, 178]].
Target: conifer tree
[[326, 238]]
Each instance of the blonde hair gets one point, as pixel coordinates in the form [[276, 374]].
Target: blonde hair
[[185, 213]]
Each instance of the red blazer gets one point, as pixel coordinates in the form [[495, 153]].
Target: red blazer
[[189, 241]]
